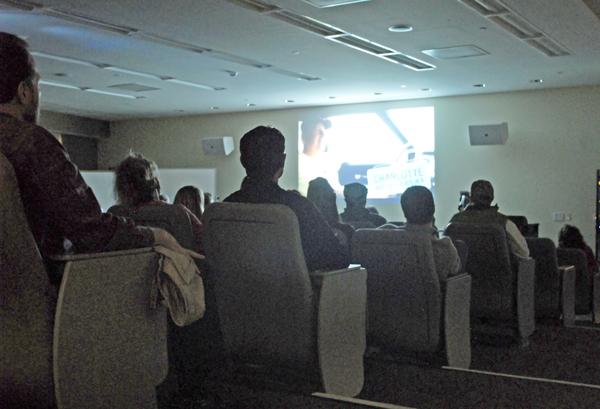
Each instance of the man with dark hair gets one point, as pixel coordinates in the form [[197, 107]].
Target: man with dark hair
[[356, 210], [480, 210], [60, 207], [418, 207], [262, 154]]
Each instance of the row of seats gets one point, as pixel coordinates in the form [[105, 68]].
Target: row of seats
[[105, 344]]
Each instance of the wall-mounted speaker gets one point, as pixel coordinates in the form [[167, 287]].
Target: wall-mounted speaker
[[220, 145], [495, 134]]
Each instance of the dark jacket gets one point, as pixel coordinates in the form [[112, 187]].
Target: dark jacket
[[322, 250], [58, 203]]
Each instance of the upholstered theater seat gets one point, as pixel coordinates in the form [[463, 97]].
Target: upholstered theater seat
[[554, 285], [106, 345], [502, 291], [410, 310], [587, 283], [273, 312]]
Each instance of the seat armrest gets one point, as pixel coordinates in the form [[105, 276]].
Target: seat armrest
[[456, 292], [567, 294], [56, 264], [89, 256], [341, 328], [596, 298], [317, 277], [105, 299], [525, 294]]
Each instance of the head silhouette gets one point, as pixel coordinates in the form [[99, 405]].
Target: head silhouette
[[417, 205], [262, 152], [136, 181], [482, 193]]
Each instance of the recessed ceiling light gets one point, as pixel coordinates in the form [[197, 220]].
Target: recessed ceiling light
[[400, 28], [250, 105], [214, 108], [402, 86], [295, 52], [536, 81], [479, 85]]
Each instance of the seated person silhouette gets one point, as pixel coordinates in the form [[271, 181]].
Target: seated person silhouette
[[262, 156], [62, 211], [190, 197], [356, 211], [418, 207], [570, 237], [322, 195], [137, 186], [480, 210]]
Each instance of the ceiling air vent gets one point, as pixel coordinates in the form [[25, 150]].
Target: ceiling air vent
[[547, 46], [332, 3], [517, 25], [88, 21], [335, 34], [456, 52], [255, 5], [409, 62], [307, 23], [362, 44], [485, 7]]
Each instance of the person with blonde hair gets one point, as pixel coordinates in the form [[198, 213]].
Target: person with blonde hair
[[137, 185]]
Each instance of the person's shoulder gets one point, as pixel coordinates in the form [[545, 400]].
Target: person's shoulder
[[234, 197], [26, 132]]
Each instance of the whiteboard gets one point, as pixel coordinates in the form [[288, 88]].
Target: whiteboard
[[171, 180]]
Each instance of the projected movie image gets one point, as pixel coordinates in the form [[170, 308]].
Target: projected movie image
[[387, 150]]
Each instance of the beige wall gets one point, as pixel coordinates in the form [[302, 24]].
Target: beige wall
[[74, 125], [548, 164]]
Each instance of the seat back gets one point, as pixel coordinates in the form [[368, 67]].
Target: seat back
[[263, 290], [171, 218], [110, 348], [493, 279], [547, 276], [361, 224], [583, 277], [403, 289], [26, 306]]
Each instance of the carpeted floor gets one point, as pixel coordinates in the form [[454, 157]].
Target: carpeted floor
[[555, 352]]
